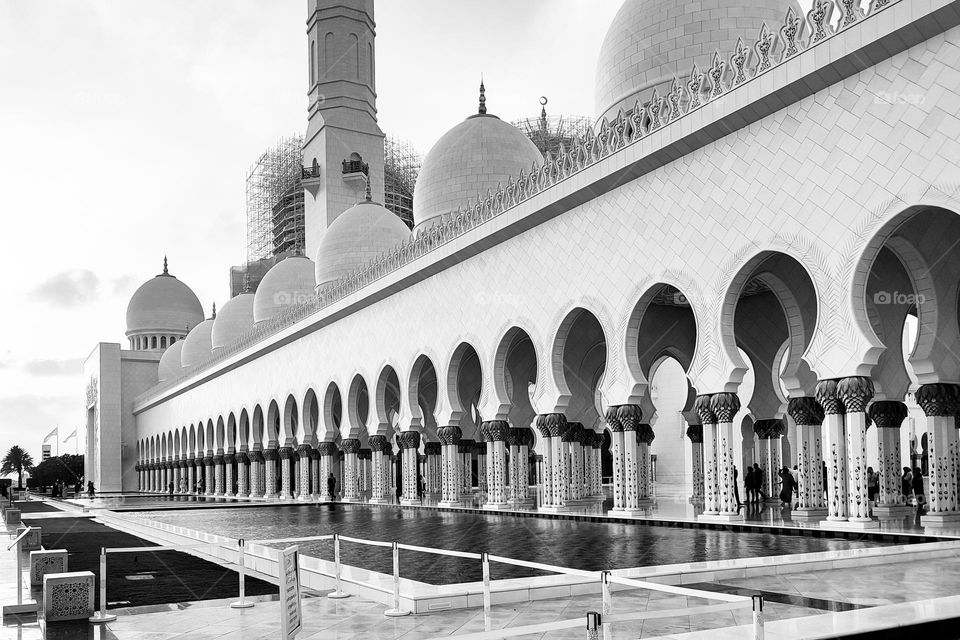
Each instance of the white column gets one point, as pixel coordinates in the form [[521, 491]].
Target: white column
[[939, 404], [243, 474], [834, 450], [218, 473], [888, 416], [808, 416], [228, 460], [270, 473], [350, 448], [304, 488], [695, 434]]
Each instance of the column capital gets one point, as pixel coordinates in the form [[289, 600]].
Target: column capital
[[378, 443], [551, 425], [645, 434], [304, 450], [826, 394], [612, 420], [497, 430], [314, 454], [695, 433], [350, 445], [327, 448], [241, 457], [270, 454], [432, 448], [256, 455], [702, 406], [805, 411], [229, 458], [480, 448], [938, 399], [218, 459], [888, 414], [572, 434], [450, 434], [725, 406], [596, 441], [409, 440], [197, 461], [286, 453], [855, 393], [208, 460], [465, 446], [630, 416], [768, 429]]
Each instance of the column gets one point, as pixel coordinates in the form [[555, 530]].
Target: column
[[482, 464], [616, 449], [366, 466], [645, 438], [695, 434], [855, 393], [573, 457], [228, 461], [176, 474], [409, 471], [350, 448], [939, 403], [451, 467], [834, 450], [466, 449], [191, 474], [630, 416], [769, 432], [497, 431], [256, 473], [551, 427], [711, 490], [270, 473], [808, 416], [725, 407], [243, 473], [596, 446], [888, 416], [218, 474], [209, 481], [304, 489], [315, 489], [286, 472], [432, 473], [327, 451], [380, 482], [513, 468]]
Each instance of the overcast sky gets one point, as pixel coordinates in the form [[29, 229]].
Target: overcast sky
[[127, 129]]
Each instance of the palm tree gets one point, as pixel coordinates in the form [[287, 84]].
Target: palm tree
[[17, 461]]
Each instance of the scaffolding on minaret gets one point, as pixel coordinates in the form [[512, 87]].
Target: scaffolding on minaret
[[401, 166], [275, 224], [547, 132]]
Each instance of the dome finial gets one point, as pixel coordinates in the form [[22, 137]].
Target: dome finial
[[483, 97], [165, 272]]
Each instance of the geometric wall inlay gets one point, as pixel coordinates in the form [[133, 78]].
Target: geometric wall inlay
[[45, 562], [68, 596]]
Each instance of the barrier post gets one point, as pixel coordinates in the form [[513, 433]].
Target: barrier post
[[396, 612], [485, 559], [242, 603], [757, 616], [336, 560], [593, 625], [102, 616], [607, 603]]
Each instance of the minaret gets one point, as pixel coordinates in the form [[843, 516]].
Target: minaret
[[342, 113]]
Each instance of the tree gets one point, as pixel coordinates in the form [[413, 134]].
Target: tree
[[66, 468], [17, 461]]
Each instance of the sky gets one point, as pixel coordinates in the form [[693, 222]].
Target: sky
[[127, 129]]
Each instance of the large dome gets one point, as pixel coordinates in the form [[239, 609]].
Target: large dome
[[233, 320], [650, 41], [196, 346], [476, 155], [163, 304], [358, 235], [170, 366], [289, 282]]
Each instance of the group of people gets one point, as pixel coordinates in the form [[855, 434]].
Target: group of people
[[56, 491]]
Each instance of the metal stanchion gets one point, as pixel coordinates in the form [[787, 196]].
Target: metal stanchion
[[396, 612], [757, 616], [607, 603], [485, 559], [20, 608], [102, 616], [336, 560], [593, 625], [242, 603]]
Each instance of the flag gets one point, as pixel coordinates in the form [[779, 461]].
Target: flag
[[72, 435], [51, 434]]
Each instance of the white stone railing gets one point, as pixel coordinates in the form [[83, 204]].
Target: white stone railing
[[725, 74]]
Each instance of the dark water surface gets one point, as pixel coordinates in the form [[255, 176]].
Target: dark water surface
[[567, 543]]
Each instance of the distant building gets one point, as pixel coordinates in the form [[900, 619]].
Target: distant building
[[46, 452]]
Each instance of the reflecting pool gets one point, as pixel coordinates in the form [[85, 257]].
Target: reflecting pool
[[582, 545]]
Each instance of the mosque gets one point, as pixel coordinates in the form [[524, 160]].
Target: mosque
[[767, 207]]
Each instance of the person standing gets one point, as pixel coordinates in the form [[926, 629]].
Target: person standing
[[787, 484], [758, 483], [873, 488], [918, 489], [331, 486], [748, 484], [906, 484], [91, 490]]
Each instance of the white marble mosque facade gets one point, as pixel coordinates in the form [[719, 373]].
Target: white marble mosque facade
[[796, 214]]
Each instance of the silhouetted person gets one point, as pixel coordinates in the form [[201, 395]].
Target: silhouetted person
[[758, 482], [906, 484], [736, 487], [918, 490], [331, 486], [91, 490], [787, 484]]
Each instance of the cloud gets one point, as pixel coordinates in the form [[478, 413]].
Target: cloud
[[69, 288], [65, 367]]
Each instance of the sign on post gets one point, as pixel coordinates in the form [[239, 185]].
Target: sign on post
[[291, 616]]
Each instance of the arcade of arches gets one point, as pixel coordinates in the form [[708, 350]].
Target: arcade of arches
[[380, 438]]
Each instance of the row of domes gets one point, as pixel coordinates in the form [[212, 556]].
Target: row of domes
[[648, 43]]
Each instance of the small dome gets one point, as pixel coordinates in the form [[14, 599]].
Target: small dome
[[233, 320], [170, 366], [358, 235], [650, 41], [289, 282], [163, 304], [196, 346], [478, 154]]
